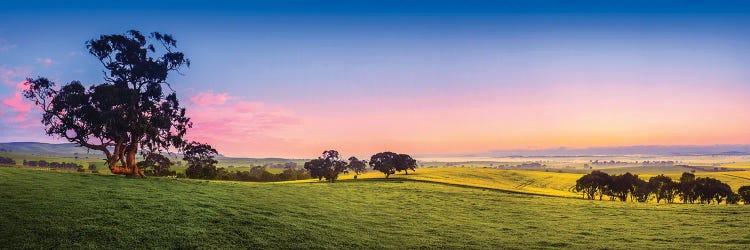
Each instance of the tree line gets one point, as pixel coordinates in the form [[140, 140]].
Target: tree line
[[45, 164], [201, 164], [689, 188], [329, 165], [7, 161]]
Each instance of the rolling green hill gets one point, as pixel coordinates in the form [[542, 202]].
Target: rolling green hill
[[48, 209]]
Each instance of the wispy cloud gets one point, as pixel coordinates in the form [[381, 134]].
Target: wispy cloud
[[205, 99], [46, 61], [17, 104], [235, 124], [11, 76], [18, 107]]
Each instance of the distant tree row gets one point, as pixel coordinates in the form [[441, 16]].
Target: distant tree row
[[155, 164], [201, 164], [261, 174], [45, 164], [689, 188], [7, 161], [329, 165]]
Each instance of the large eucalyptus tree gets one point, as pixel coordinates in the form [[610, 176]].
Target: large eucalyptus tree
[[133, 109]]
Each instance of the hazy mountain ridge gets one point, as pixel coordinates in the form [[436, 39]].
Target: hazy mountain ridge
[[50, 149], [68, 149], [677, 150]]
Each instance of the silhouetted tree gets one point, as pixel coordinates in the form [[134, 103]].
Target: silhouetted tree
[[733, 198], [687, 188], [135, 108], [200, 161], [405, 162], [744, 193], [156, 164], [669, 191], [664, 188], [624, 185], [327, 166], [593, 184], [642, 191], [385, 162], [709, 189], [357, 166], [316, 167], [7, 160]]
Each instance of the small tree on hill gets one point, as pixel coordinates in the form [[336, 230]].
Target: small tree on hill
[[664, 188], [594, 184], [733, 198], [687, 188], [157, 164], [385, 162], [200, 161], [327, 166], [744, 193], [389, 163], [405, 162], [357, 166]]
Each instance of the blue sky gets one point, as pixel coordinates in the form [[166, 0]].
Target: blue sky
[[423, 62]]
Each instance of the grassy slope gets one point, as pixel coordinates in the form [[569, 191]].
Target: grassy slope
[[532, 182], [42, 209]]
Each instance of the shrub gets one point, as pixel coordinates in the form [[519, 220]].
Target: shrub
[[6, 160], [744, 193]]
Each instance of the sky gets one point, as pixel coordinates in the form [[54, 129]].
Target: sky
[[295, 78]]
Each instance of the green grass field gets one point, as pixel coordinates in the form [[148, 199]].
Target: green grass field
[[48, 209]]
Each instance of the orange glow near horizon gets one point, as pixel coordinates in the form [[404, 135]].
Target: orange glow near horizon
[[577, 115]]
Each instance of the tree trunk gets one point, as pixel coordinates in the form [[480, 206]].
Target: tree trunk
[[112, 160], [135, 171], [126, 157]]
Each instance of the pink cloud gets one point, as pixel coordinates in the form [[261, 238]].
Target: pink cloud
[[236, 126], [17, 104], [211, 99], [46, 61], [12, 76]]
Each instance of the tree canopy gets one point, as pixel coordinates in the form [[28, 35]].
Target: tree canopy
[[357, 166], [200, 161], [156, 164], [134, 108], [389, 163], [327, 166]]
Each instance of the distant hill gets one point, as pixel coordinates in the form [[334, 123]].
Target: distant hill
[[47, 149], [57, 149], [627, 150]]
